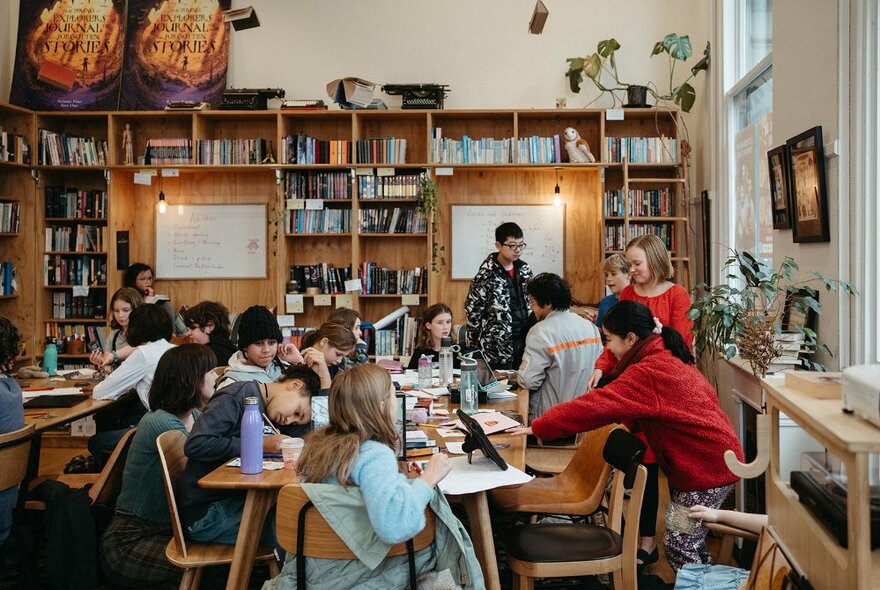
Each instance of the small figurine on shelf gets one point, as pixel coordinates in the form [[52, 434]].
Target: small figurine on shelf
[[127, 149], [269, 159], [577, 147]]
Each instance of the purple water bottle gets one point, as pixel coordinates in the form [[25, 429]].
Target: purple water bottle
[[251, 437]]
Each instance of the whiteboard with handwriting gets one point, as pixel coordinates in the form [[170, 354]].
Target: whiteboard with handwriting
[[473, 236], [212, 242]]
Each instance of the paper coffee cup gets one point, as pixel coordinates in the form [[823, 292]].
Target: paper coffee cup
[[290, 451]]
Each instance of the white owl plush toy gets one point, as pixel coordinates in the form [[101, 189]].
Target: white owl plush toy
[[577, 147]]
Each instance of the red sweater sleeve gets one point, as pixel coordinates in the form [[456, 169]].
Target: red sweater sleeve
[[630, 397]]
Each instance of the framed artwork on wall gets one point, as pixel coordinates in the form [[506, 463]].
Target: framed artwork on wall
[[809, 198], [780, 193]]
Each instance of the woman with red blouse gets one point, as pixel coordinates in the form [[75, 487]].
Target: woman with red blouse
[[650, 273]]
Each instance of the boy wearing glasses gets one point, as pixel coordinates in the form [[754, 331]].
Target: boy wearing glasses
[[497, 304]]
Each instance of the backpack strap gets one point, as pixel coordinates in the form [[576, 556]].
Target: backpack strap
[[300, 543]]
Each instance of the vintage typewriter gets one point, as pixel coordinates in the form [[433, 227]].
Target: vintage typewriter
[[248, 99], [419, 96]]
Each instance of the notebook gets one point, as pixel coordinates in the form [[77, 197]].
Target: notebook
[[55, 401]]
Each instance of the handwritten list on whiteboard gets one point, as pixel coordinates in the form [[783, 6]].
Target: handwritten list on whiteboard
[[212, 242], [473, 236]]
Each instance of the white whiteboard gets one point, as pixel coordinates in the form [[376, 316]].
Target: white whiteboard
[[473, 236], [211, 242]]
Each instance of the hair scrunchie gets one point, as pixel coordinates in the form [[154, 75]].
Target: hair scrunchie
[[658, 327]]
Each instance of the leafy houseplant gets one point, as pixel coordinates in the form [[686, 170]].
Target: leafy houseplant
[[743, 315], [676, 47], [428, 204]]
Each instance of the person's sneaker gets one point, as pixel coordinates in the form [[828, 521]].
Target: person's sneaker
[[80, 464]]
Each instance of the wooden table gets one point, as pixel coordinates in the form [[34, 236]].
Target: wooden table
[[262, 490]]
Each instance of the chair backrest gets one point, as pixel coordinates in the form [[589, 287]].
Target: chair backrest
[[320, 540], [624, 452], [106, 488], [578, 490], [15, 450], [173, 460]]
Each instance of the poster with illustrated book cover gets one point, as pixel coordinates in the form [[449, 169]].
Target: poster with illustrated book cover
[[175, 50], [69, 54]]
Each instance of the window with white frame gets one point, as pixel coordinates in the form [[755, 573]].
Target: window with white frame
[[750, 104]]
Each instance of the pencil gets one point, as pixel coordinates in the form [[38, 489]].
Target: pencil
[[269, 422]]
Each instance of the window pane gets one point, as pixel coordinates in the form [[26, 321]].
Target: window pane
[[758, 31], [753, 221]]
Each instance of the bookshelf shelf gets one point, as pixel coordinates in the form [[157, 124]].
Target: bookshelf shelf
[[78, 320], [75, 253], [326, 235], [74, 286], [9, 234], [8, 297]]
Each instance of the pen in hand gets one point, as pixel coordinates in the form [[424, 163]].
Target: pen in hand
[[269, 422]]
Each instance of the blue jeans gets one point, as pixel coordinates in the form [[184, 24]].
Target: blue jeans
[[220, 524]]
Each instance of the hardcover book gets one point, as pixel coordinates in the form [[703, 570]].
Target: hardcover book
[[68, 55], [176, 50]]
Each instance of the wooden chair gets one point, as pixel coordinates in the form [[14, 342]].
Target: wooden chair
[[106, 485], [304, 532], [728, 534], [15, 449], [192, 556], [577, 491], [550, 550], [552, 459]]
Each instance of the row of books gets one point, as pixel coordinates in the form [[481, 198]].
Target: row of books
[[63, 334], [646, 203], [74, 203], [392, 221], [376, 280], [324, 276], [318, 185], [8, 278], [399, 186], [296, 335], [76, 238], [303, 149], [399, 340], [381, 150], [320, 221], [64, 270], [485, 150], [230, 151], [160, 152], [65, 306], [14, 148], [615, 236], [642, 150], [539, 150], [10, 216], [64, 149]]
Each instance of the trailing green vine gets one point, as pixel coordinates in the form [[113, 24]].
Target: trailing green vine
[[428, 203]]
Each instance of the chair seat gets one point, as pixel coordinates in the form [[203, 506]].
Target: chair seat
[[205, 554], [557, 542]]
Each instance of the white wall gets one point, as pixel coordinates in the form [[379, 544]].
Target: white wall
[[805, 94]]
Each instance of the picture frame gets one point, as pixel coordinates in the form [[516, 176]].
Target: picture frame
[[796, 312], [809, 196], [780, 186]]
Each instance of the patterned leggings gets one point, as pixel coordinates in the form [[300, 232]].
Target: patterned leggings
[[685, 539]]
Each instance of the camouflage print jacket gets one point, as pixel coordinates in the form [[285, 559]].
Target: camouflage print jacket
[[487, 308]]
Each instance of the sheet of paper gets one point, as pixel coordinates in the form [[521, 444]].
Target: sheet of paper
[[501, 395], [170, 172], [57, 391], [450, 433], [323, 300], [482, 474], [267, 465], [143, 179], [293, 204], [409, 299], [454, 448], [353, 285], [293, 303], [314, 204], [81, 291], [344, 301]]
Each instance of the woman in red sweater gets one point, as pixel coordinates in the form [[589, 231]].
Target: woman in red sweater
[[650, 272], [656, 389]]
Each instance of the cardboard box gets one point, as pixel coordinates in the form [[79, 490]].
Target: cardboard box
[[351, 92]]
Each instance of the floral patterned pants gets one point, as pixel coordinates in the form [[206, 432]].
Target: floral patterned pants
[[685, 538]]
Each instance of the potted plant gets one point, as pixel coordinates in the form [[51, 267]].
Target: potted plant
[[677, 48], [743, 315], [428, 203]]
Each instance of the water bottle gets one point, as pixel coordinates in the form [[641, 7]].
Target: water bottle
[[470, 386], [445, 361], [50, 358], [251, 437], [425, 371]]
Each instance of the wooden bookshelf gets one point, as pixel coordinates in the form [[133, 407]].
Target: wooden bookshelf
[[134, 205]]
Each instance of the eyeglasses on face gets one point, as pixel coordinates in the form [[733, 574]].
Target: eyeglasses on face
[[516, 247]]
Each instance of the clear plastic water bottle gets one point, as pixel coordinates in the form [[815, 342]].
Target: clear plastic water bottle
[[470, 386], [425, 371], [445, 361], [251, 437], [50, 358]]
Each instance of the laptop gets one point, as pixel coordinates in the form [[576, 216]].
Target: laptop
[[54, 401], [485, 374]]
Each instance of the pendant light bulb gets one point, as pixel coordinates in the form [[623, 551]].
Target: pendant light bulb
[[557, 197], [162, 206]]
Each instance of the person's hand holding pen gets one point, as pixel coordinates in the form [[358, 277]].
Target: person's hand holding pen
[[272, 442], [436, 469]]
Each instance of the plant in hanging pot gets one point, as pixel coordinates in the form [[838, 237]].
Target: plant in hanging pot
[[743, 315], [677, 49]]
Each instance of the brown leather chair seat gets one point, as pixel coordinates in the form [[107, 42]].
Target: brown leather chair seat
[[560, 542]]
